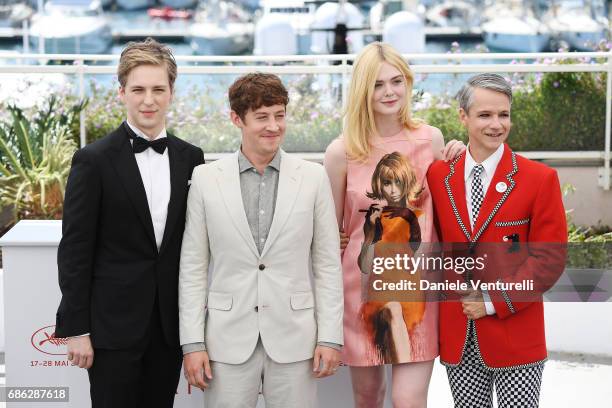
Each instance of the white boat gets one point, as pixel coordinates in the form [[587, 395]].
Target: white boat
[[381, 11], [284, 28], [34, 3], [516, 34], [221, 28], [453, 13], [71, 27], [179, 3], [577, 24], [401, 24], [135, 4], [333, 19], [513, 27], [405, 31], [13, 14]]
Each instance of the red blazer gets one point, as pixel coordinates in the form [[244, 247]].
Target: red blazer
[[529, 210]]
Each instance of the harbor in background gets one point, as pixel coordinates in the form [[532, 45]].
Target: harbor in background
[[288, 27]]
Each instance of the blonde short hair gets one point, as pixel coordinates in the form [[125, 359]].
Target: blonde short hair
[[359, 115], [147, 52]]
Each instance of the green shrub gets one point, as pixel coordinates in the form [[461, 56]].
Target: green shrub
[[35, 156], [566, 111], [588, 247], [444, 115], [557, 111], [203, 119]]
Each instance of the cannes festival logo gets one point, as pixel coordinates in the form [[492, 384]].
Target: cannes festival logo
[[44, 340]]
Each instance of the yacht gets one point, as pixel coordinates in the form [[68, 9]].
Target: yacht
[[513, 26], [71, 27], [337, 29], [284, 28], [35, 3], [222, 28], [400, 23], [453, 13], [577, 23], [13, 14], [176, 4], [135, 4]]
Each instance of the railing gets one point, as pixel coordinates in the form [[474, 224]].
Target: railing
[[320, 64]]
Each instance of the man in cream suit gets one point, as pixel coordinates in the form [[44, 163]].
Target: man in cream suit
[[260, 285]]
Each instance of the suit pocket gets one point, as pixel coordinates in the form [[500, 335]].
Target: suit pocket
[[303, 300], [220, 301]]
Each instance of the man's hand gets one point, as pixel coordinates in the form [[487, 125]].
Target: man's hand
[[326, 361], [197, 365], [344, 240], [473, 304], [453, 149], [80, 351]]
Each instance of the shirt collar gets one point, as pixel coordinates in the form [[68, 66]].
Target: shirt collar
[[140, 133], [489, 164], [244, 164]]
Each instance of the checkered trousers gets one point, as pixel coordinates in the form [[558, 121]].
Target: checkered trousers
[[472, 383]]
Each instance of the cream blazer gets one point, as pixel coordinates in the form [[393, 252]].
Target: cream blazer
[[290, 295]]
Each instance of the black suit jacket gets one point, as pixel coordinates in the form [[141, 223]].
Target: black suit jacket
[[110, 269]]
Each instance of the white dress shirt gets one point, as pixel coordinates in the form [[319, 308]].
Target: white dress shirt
[[490, 165], [155, 173]]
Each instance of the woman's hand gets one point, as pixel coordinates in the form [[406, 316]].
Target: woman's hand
[[344, 240], [453, 149], [373, 214]]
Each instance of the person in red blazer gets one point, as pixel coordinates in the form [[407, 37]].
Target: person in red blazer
[[492, 195]]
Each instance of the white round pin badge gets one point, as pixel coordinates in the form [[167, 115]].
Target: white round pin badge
[[501, 187]]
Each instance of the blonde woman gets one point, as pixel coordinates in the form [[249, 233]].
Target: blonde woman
[[380, 134]]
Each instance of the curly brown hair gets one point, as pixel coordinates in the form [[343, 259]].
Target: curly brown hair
[[252, 91]]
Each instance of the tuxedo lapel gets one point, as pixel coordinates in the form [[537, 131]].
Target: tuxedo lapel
[[228, 181], [289, 181], [454, 183], [179, 174], [495, 197], [124, 162]]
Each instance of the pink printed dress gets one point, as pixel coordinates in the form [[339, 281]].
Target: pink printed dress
[[377, 329]]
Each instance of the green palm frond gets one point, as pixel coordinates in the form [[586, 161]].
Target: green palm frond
[[36, 149], [9, 158]]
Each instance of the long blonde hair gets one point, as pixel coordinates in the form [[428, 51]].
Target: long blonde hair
[[359, 115]]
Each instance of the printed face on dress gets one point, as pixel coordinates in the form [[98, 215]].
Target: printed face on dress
[[147, 96], [487, 122], [389, 91], [393, 190], [263, 130]]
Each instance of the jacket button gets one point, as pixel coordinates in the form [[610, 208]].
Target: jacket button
[[262, 267], [257, 308]]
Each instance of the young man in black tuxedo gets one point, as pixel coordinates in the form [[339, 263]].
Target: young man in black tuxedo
[[118, 260]]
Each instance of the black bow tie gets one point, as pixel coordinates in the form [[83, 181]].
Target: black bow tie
[[141, 144]]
